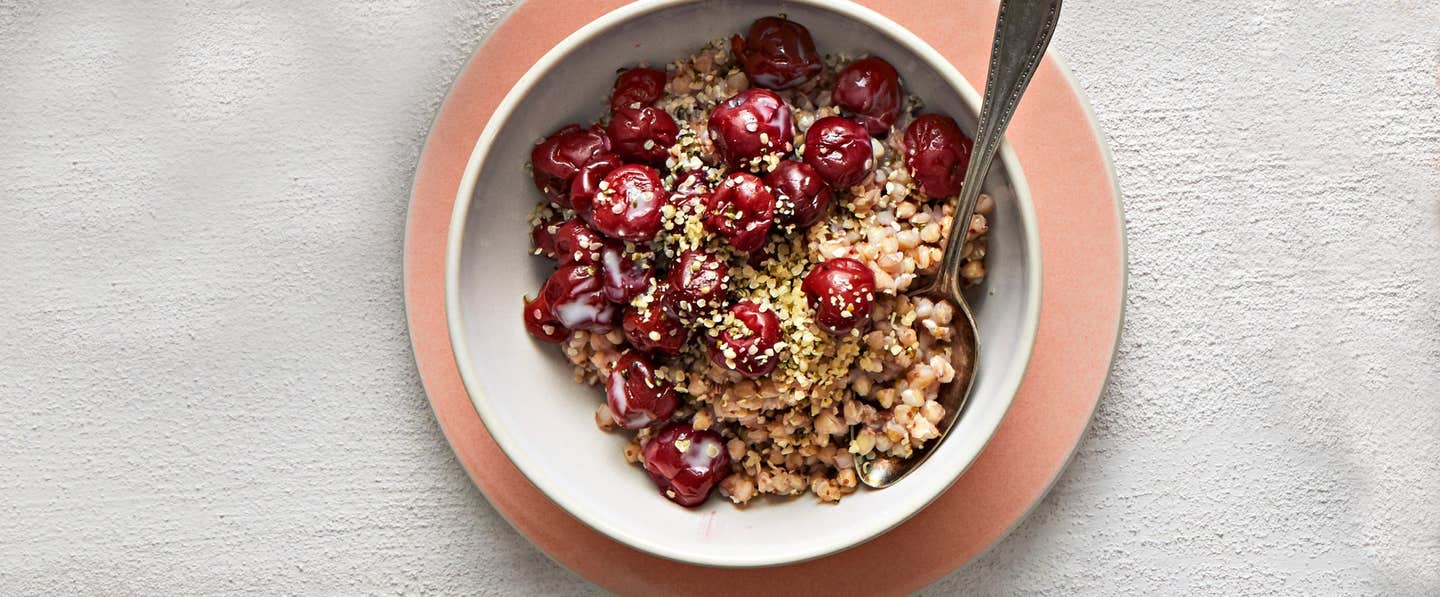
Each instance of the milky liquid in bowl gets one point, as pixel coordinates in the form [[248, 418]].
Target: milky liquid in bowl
[[524, 389]]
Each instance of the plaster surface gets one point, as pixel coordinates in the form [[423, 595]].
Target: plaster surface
[[206, 384]]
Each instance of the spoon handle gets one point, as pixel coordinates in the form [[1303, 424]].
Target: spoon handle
[[1022, 32]]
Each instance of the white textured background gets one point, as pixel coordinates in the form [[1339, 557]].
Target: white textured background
[[206, 383]]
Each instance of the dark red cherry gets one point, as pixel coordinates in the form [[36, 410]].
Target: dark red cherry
[[777, 53], [587, 181], [643, 86], [839, 150], [642, 134], [741, 210], [689, 202], [542, 236], [628, 204], [750, 124], [801, 185], [555, 161], [576, 297], [842, 293], [692, 191], [652, 330], [868, 91], [638, 397], [627, 274], [695, 285], [746, 342], [576, 243], [758, 257], [541, 322], [691, 182], [937, 153], [686, 463]]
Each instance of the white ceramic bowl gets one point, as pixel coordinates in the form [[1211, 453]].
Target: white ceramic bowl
[[524, 390]]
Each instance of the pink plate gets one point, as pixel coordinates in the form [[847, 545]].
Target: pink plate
[[1083, 248]]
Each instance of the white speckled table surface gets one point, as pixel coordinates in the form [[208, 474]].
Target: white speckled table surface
[[206, 383]]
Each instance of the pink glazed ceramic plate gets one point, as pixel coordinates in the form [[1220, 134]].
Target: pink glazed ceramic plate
[[1070, 180]]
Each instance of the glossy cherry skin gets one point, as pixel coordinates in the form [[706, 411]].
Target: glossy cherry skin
[[638, 397], [758, 257], [643, 134], [748, 348], [868, 91], [652, 330], [626, 274], [689, 203], [577, 244], [542, 236], [839, 150], [749, 125], [777, 53], [576, 297], [937, 153], [586, 183], [741, 210], [643, 86], [808, 194], [842, 293], [691, 192], [686, 463], [555, 161], [628, 206], [541, 322], [691, 182], [695, 285]]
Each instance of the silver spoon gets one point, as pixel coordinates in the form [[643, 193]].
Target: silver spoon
[[1022, 32]]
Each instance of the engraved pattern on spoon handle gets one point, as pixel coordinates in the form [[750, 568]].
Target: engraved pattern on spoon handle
[[1021, 24]]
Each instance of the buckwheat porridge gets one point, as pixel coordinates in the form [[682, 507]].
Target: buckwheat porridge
[[733, 240]]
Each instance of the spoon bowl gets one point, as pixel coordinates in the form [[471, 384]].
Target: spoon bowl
[[883, 471]]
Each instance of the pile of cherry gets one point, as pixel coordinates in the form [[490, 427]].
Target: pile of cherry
[[610, 178]]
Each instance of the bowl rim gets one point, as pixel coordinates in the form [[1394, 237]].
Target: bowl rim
[[890, 518]]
